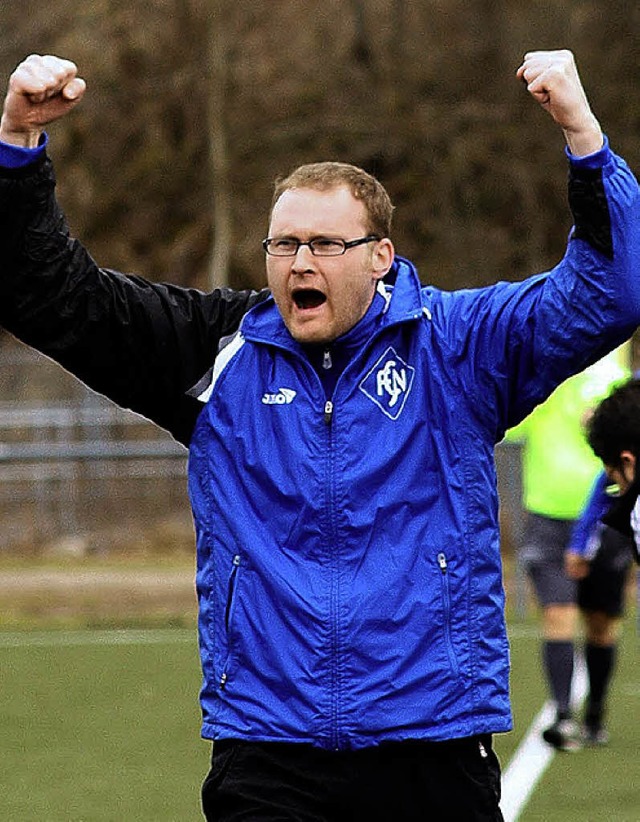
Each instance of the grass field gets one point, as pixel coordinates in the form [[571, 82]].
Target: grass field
[[103, 725], [592, 785], [95, 730]]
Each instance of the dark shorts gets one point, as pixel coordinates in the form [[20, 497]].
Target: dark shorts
[[604, 589], [543, 555], [399, 781], [545, 542]]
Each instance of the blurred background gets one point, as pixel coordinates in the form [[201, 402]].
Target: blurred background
[[194, 107], [166, 170]]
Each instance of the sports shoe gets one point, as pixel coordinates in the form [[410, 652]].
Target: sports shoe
[[564, 735], [594, 736]]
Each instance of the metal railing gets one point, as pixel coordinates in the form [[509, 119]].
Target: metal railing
[[79, 464]]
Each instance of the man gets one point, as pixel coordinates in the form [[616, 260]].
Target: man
[[614, 435], [599, 558], [341, 467], [558, 470], [613, 432], [607, 537]]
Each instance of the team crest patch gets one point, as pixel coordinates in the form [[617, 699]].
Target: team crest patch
[[388, 383]]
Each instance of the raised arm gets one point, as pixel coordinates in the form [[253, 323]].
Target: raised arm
[[530, 336], [141, 344]]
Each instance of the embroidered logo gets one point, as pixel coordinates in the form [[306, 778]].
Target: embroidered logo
[[388, 384], [284, 396]]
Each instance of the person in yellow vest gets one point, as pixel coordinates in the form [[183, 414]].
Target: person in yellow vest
[[558, 473]]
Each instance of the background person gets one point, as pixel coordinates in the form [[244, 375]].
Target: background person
[[558, 470], [613, 433], [599, 558], [341, 467]]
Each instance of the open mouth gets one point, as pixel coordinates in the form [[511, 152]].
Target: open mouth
[[306, 298]]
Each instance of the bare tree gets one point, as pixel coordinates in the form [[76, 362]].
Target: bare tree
[[219, 162]]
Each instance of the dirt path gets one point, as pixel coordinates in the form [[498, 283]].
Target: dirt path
[[96, 596], [39, 580]]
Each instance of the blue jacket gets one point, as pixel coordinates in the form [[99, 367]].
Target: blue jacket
[[349, 573]]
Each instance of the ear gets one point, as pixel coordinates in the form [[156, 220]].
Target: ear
[[382, 257], [628, 465]]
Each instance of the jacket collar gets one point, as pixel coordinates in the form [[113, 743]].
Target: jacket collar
[[400, 288]]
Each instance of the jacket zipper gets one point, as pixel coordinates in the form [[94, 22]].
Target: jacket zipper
[[231, 593], [446, 600], [334, 594], [328, 413]]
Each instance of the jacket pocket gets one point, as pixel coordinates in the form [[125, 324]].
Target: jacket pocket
[[232, 595], [445, 586]]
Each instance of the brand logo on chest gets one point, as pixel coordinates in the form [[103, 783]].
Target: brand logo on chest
[[284, 396], [388, 383]]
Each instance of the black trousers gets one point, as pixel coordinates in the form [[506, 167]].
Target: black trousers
[[456, 781]]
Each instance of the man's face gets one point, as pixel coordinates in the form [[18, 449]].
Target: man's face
[[321, 298]]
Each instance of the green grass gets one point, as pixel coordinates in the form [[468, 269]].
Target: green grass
[[110, 731], [591, 785], [101, 732]]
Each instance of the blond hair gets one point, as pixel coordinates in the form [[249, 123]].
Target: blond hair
[[363, 186]]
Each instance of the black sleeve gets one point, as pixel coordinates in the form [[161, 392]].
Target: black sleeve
[[590, 209], [141, 344]]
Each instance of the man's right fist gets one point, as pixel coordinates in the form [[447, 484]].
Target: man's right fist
[[41, 89]]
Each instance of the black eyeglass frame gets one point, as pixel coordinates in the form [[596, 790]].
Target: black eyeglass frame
[[346, 244]]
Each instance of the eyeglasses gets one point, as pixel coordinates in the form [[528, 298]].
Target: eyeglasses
[[319, 246]]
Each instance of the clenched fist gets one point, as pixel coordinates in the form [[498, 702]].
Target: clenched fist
[[552, 79], [41, 90]]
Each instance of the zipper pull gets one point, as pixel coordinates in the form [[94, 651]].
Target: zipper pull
[[327, 362], [223, 681], [328, 412], [442, 562]]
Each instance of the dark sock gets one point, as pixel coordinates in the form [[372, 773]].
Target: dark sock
[[557, 658], [600, 662]]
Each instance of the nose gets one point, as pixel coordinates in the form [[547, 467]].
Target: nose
[[303, 260]]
